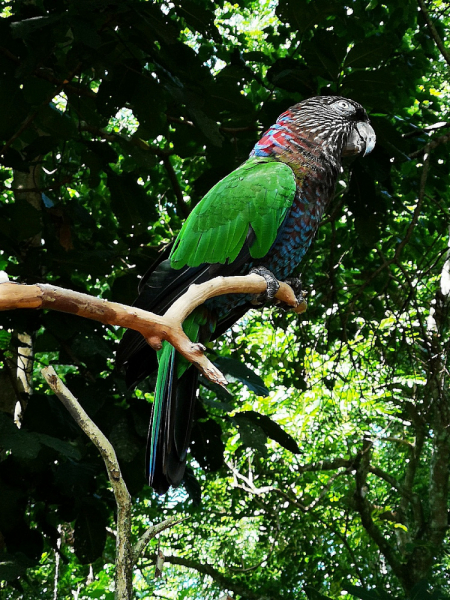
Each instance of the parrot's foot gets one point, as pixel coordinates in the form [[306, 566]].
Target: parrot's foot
[[296, 284], [272, 286]]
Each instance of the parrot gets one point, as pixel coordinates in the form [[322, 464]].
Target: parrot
[[261, 218]]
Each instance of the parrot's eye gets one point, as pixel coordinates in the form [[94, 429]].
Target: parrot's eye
[[344, 107]]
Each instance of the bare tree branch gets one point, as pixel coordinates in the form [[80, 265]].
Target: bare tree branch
[[248, 485], [217, 576], [154, 328], [442, 139], [433, 32], [364, 508], [151, 532], [124, 554]]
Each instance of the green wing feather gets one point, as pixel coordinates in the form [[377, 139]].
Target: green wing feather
[[258, 195]]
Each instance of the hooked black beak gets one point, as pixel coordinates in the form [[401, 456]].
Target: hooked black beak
[[361, 140]]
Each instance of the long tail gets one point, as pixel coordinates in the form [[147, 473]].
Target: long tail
[[173, 413]]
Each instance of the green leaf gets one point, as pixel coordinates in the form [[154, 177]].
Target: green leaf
[[370, 52], [291, 75], [5, 339], [304, 15], [315, 595], [237, 371], [272, 430], [13, 566], [40, 146], [23, 444], [192, 486], [90, 532], [56, 123], [24, 28], [64, 448], [131, 205], [206, 445], [251, 434]]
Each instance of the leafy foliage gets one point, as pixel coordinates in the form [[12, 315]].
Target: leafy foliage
[[117, 117]]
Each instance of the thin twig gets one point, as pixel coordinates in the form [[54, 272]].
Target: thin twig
[[150, 533], [434, 33], [54, 186], [181, 204], [442, 139], [43, 73], [34, 114]]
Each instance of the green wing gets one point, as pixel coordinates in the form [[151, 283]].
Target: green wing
[[258, 195]]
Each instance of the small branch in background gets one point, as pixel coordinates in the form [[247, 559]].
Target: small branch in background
[[27, 122], [151, 532], [364, 508], [159, 564], [433, 32], [226, 583], [389, 479], [111, 136], [124, 554], [46, 74], [25, 360], [57, 563], [442, 139], [222, 128], [421, 130], [181, 204], [249, 487], [54, 186]]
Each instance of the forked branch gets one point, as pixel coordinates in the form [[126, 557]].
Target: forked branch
[[154, 328]]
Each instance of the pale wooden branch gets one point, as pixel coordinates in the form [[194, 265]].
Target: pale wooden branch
[[124, 553], [249, 487], [154, 328], [150, 533]]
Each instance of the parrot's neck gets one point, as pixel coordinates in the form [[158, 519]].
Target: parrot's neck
[[291, 142]]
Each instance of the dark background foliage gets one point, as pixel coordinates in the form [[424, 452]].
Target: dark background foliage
[[116, 118]]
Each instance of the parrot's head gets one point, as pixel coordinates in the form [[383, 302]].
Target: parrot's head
[[338, 123]]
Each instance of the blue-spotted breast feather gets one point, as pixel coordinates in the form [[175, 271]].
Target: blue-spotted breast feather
[[264, 214]]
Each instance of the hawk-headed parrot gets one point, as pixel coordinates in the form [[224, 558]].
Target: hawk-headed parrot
[[262, 217]]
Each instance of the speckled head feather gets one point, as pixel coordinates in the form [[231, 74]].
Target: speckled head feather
[[321, 124]]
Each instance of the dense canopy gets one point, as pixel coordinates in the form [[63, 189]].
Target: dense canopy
[[325, 472]]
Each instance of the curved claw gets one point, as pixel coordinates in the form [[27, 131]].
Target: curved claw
[[197, 347], [296, 284]]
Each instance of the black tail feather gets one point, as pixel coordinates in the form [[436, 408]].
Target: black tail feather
[[175, 430]]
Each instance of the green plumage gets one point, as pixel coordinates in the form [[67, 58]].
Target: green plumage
[[257, 195]]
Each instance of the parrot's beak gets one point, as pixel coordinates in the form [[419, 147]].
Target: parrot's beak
[[361, 140]]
